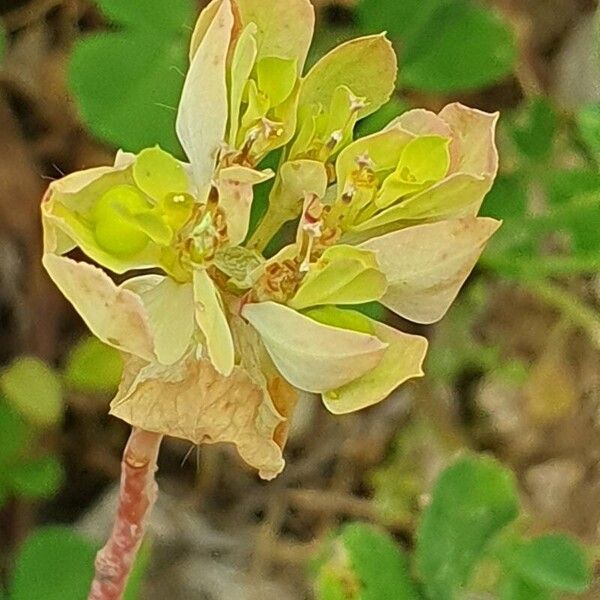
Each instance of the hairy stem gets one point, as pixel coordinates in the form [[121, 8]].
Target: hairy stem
[[136, 499]]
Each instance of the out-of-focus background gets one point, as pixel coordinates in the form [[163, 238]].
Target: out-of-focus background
[[513, 369]]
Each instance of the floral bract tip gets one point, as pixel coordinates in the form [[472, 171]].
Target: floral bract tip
[[216, 337]]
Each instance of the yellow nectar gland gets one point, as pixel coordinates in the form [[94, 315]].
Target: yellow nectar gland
[[115, 229], [177, 209]]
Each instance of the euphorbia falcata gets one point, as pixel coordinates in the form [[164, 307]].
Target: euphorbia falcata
[[214, 336]]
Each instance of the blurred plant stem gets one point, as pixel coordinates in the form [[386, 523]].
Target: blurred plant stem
[[569, 306], [136, 499]]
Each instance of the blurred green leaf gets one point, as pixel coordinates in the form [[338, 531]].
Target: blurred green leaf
[[472, 501], [366, 564], [404, 21], [136, 579], [534, 129], [330, 587], [2, 42], [515, 588], [588, 123], [14, 434], [373, 310], [472, 46], [579, 219], [553, 561], [93, 367], [33, 390], [54, 563], [381, 566], [40, 478], [379, 119], [516, 251], [562, 185], [127, 83], [507, 199]]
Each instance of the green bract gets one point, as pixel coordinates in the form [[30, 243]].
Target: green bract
[[215, 337]]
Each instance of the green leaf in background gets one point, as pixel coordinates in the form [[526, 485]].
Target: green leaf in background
[[573, 213], [472, 501], [563, 185], [588, 124], [534, 129], [40, 478], [553, 561], [373, 310], [366, 564], [579, 220], [33, 390], [379, 119], [472, 46], [93, 367], [14, 434], [515, 588], [136, 578], [380, 564], [2, 50], [56, 563], [404, 21], [127, 83]]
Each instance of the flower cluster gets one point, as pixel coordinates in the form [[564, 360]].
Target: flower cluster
[[216, 338]]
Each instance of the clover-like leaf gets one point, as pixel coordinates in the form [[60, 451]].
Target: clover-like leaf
[[310, 355], [473, 46], [365, 563], [553, 561], [39, 478], [92, 366], [34, 391], [53, 563], [426, 265], [14, 434], [473, 500], [2, 42], [113, 75]]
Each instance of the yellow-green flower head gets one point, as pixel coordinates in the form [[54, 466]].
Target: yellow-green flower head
[[216, 338]]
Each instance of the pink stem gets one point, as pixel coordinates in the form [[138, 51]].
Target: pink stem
[[136, 499]]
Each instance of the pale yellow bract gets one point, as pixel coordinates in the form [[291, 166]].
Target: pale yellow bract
[[215, 336]]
